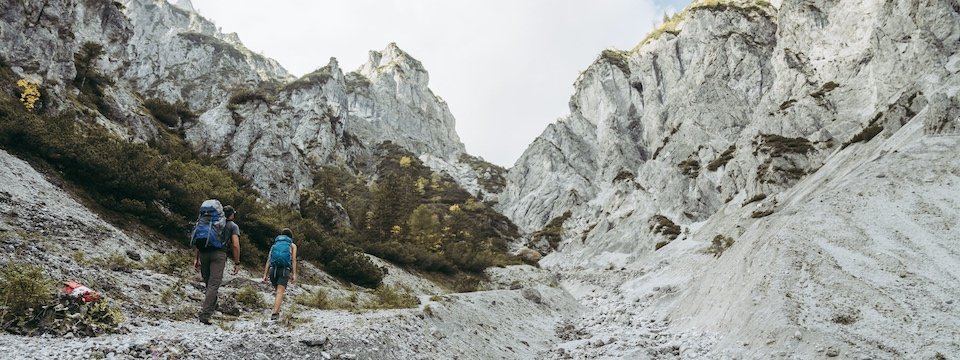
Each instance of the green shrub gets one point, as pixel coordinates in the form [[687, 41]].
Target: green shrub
[[219, 47], [102, 317], [660, 224], [492, 178], [24, 286], [356, 82], [244, 96], [616, 58], [118, 262], [80, 258], [552, 231], [390, 297], [171, 115], [66, 316], [670, 26], [184, 313], [318, 77], [173, 262], [249, 298], [167, 294], [410, 215], [291, 318], [89, 80], [356, 268], [317, 299]]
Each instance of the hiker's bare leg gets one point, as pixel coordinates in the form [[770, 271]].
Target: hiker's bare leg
[[279, 300]]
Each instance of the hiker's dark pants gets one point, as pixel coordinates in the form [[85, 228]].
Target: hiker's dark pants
[[211, 268]]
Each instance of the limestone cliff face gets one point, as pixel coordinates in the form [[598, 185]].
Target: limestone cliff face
[[734, 101], [400, 106], [636, 115], [774, 180], [328, 118], [175, 54], [269, 126]]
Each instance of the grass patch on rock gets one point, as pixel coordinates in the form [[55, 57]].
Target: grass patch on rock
[[865, 135], [690, 168], [552, 232], [170, 263], [778, 145], [720, 244], [723, 158], [250, 298], [754, 199]]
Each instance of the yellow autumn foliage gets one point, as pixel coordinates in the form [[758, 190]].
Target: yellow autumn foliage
[[405, 161], [30, 93]]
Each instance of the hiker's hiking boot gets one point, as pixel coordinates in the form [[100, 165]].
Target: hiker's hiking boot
[[275, 317]]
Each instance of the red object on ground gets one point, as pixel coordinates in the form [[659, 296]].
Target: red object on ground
[[80, 292]]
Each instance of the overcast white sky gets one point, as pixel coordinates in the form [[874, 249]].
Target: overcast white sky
[[505, 67]]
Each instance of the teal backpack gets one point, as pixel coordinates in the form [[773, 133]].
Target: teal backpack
[[280, 253]]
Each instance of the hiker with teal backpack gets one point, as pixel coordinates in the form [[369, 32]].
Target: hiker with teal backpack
[[281, 267]]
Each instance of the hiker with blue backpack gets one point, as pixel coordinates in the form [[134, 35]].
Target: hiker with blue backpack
[[214, 235], [281, 267]]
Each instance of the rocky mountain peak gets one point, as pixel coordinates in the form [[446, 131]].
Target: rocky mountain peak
[[185, 5], [333, 64], [393, 62]]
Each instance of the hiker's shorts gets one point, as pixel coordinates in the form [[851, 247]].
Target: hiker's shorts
[[279, 275]]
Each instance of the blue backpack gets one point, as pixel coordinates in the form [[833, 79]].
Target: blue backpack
[[210, 223], [280, 252]]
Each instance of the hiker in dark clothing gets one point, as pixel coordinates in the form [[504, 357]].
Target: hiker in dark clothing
[[281, 267], [211, 263]]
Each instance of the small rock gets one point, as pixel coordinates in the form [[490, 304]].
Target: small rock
[[532, 295], [325, 355], [831, 352], [949, 302], [798, 335], [316, 342], [133, 255], [348, 356]]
